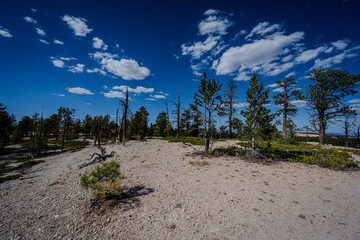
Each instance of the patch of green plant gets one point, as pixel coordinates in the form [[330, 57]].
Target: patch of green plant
[[28, 164], [192, 140], [142, 140], [306, 153], [229, 151], [104, 181], [9, 178], [354, 151], [75, 146]]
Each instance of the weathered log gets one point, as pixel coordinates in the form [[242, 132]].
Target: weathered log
[[98, 158]]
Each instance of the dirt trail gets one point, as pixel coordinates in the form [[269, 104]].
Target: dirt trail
[[170, 198]]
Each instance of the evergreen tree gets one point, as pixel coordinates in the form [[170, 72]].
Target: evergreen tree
[[161, 124], [87, 125], [258, 117], [206, 101], [284, 99], [139, 123], [325, 96], [66, 119]]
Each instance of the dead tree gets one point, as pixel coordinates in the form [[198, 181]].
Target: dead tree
[[123, 124], [99, 157], [177, 112]]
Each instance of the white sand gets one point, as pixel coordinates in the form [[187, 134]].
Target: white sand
[[230, 198]]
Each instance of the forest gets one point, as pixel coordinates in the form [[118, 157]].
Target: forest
[[325, 98]]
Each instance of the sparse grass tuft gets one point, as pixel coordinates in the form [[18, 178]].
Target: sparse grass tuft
[[199, 163], [10, 177]]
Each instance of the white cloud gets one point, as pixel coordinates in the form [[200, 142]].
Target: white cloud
[[99, 44], [328, 62], [214, 25], [290, 74], [78, 68], [4, 32], [299, 103], [58, 63], [40, 32], [105, 87], [211, 12], [258, 54], [44, 41], [96, 70], [157, 96], [114, 94], [150, 99], [88, 104], [67, 58], [355, 100], [309, 54], [77, 24], [240, 105], [58, 42], [272, 85], [287, 58], [79, 90], [33, 9], [128, 69], [138, 89], [30, 20], [263, 29], [341, 44], [58, 94], [280, 89], [199, 48]]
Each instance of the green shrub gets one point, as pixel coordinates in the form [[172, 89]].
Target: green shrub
[[104, 181], [306, 153], [192, 140], [229, 151], [10, 177]]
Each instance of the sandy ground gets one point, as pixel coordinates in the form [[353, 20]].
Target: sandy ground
[[170, 198]]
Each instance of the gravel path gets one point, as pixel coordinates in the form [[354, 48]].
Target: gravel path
[[176, 195]]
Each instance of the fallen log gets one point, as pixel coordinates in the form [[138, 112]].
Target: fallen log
[[98, 158]]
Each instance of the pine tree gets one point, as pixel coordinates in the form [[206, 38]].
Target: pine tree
[[325, 96], [206, 101], [284, 100], [231, 93], [66, 118], [258, 117]]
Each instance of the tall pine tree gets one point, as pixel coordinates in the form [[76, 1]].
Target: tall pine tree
[[258, 117], [284, 99]]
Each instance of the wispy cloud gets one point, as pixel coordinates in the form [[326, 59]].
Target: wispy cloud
[[58, 42], [30, 20], [40, 32], [44, 41], [5, 33], [262, 29], [137, 90], [58, 63], [96, 70], [77, 24], [78, 68], [79, 90], [214, 24], [58, 94]]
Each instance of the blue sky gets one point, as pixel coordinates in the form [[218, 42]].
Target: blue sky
[[82, 54]]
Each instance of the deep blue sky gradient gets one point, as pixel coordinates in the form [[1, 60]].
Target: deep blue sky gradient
[[150, 32]]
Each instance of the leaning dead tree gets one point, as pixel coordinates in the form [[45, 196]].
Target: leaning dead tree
[[177, 112], [96, 157], [123, 123]]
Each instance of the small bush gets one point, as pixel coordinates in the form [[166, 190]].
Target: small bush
[[229, 151], [104, 181], [306, 153], [192, 140]]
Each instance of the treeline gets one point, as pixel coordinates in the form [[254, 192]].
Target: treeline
[[324, 97]]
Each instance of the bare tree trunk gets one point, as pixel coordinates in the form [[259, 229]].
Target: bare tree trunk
[[346, 136], [321, 133], [253, 143], [284, 125], [116, 124], [38, 151], [178, 113], [230, 117], [125, 115]]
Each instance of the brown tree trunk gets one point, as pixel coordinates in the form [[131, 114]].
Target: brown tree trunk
[[321, 133], [230, 119], [284, 125], [125, 115]]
